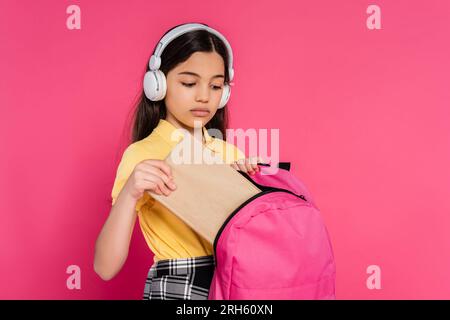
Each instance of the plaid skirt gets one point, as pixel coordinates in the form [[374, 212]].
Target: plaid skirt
[[180, 279]]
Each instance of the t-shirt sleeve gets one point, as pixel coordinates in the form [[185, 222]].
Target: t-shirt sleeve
[[130, 158]]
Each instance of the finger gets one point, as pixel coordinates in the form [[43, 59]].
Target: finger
[[152, 188], [234, 166], [254, 163], [158, 191], [168, 180], [258, 160], [166, 190], [161, 174], [249, 166], [241, 166], [163, 166], [159, 184]]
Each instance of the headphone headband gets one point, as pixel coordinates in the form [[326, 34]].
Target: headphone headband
[[155, 60]]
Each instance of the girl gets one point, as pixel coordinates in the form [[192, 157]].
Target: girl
[[186, 81]]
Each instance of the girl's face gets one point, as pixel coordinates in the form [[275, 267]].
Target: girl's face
[[197, 83]]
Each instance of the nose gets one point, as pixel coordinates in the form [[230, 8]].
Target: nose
[[202, 94]]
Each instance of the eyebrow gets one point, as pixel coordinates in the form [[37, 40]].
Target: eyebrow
[[198, 76]]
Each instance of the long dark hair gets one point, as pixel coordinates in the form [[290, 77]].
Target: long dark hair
[[147, 113]]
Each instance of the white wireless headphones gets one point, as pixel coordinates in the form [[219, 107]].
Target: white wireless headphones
[[155, 85]]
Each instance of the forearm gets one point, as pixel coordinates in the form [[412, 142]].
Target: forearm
[[111, 248]]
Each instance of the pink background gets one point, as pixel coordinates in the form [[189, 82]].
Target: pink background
[[363, 117]]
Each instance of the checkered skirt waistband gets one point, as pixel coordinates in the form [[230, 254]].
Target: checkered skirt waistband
[[180, 279]]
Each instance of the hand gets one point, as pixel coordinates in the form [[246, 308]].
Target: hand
[[150, 175], [248, 165]]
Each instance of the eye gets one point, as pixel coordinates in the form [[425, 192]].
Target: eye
[[193, 83]]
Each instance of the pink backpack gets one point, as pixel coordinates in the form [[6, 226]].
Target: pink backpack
[[275, 245]]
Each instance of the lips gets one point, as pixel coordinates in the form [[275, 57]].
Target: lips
[[200, 109], [200, 112]]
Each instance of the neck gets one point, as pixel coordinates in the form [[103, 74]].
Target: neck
[[177, 124]]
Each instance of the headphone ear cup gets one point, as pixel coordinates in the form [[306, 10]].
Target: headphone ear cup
[[162, 80], [155, 85], [225, 96]]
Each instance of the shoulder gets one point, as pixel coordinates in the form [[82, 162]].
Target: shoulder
[[133, 154], [152, 147]]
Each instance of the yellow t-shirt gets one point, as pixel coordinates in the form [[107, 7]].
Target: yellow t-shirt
[[167, 236]]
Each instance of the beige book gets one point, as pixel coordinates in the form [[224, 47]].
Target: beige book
[[207, 191]]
